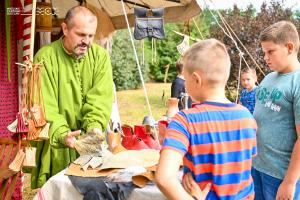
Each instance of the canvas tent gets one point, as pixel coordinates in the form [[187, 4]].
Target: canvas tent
[[112, 16]]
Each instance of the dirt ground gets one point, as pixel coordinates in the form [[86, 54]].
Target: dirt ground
[[28, 193]]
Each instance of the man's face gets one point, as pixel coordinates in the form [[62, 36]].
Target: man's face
[[79, 35], [276, 56]]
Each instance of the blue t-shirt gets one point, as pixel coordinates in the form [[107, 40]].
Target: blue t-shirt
[[248, 99], [277, 112]]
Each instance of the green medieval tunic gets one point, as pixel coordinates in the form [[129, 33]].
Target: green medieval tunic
[[78, 95]]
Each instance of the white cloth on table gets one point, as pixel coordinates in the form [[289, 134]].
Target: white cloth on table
[[59, 187]]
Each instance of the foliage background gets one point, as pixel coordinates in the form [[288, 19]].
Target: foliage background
[[125, 71], [246, 25]]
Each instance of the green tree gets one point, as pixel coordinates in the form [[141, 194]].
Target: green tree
[[125, 71], [166, 49], [166, 54], [247, 25]]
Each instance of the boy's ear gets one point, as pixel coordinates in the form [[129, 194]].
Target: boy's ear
[[197, 78], [291, 47]]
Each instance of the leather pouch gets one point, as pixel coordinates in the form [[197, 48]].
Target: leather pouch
[[149, 25]]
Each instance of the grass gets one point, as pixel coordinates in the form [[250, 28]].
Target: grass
[[132, 107]]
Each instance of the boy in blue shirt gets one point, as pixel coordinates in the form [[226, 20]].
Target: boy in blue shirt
[[276, 168], [248, 80]]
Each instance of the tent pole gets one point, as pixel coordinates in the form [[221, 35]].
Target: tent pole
[[137, 61], [32, 30]]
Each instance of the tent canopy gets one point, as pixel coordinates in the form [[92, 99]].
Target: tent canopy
[[175, 10]]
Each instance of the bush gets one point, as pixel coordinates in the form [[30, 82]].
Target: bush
[[247, 25], [167, 53], [125, 71]]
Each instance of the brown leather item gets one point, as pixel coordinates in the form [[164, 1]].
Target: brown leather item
[[76, 170], [141, 180], [37, 125], [129, 158], [8, 150], [30, 153], [114, 142], [34, 132], [37, 114], [31, 118], [16, 164], [44, 134], [22, 115]]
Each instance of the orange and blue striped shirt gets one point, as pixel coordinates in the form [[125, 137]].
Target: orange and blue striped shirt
[[218, 141]]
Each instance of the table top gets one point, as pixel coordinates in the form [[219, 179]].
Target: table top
[[60, 187]]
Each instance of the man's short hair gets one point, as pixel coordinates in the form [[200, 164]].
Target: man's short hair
[[211, 57], [281, 32], [76, 10]]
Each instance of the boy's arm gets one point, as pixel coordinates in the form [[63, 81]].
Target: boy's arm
[[288, 186], [166, 175]]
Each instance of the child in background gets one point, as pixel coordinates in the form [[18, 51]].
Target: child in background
[[248, 79], [178, 87], [276, 168], [216, 139]]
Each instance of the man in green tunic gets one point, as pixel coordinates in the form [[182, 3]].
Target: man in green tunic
[[77, 87]]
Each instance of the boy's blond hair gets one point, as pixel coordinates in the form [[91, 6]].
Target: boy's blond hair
[[281, 32], [211, 57], [250, 71]]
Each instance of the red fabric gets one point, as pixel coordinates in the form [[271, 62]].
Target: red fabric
[[140, 131], [8, 90], [19, 19]]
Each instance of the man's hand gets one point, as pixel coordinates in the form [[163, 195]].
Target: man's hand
[[286, 191], [71, 138], [99, 132], [192, 187]]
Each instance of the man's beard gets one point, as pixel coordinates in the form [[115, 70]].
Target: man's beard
[[79, 54]]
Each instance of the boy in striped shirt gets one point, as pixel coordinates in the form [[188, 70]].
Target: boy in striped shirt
[[216, 138]]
